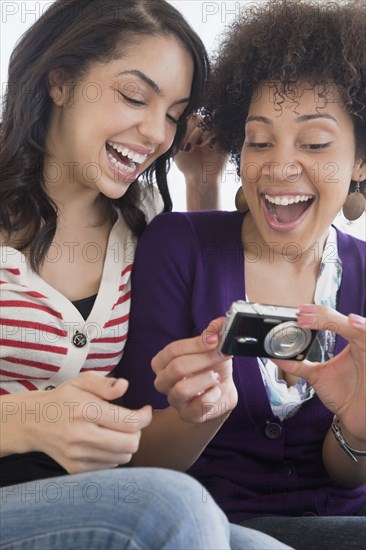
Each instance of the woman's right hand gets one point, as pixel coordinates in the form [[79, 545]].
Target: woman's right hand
[[80, 429], [197, 377]]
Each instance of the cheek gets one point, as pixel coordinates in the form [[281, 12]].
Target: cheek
[[171, 132], [250, 170], [250, 174], [332, 177]]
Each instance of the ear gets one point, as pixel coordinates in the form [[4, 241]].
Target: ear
[[359, 167], [58, 87]]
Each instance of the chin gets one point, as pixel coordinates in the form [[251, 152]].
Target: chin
[[117, 192]]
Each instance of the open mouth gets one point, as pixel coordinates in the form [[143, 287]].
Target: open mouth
[[287, 208], [123, 158]]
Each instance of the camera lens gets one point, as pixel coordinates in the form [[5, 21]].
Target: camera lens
[[287, 340]]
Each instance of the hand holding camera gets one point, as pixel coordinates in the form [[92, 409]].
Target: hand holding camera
[[196, 377], [261, 330]]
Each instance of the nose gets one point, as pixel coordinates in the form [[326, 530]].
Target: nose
[[282, 167], [152, 127]]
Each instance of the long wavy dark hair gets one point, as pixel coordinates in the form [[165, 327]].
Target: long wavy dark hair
[[71, 35], [282, 42]]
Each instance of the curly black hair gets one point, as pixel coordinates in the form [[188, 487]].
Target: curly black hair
[[282, 42]]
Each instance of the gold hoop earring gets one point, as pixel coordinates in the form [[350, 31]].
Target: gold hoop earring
[[240, 202], [354, 205]]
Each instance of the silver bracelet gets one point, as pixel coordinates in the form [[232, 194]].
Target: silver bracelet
[[336, 429]]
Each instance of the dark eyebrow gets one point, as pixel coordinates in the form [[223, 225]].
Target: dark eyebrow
[[302, 118], [143, 77], [257, 118], [150, 83]]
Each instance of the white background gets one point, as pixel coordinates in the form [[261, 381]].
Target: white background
[[207, 18]]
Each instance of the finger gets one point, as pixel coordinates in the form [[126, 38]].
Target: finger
[[303, 369], [208, 340], [203, 408], [102, 386], [358, 323], [194, 386], [85, 466], [352, 328], [198, 136], [188, 366], [125, 420], [194, 123], [103, 445], [197, 133], [194, 139]]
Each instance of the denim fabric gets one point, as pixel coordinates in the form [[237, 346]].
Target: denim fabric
[[131, 509]]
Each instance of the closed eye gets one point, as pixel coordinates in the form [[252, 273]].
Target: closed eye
[[131, 100], [172, 119], [316, 146], [258, 145]]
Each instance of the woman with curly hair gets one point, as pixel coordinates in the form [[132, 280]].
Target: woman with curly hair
[[287, 100], [98, 95]]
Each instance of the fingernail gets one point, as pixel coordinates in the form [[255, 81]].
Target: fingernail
[[216, 377], [357, 320], [212, 339]]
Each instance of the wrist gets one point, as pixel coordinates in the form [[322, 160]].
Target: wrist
[[209, 181], [206, 197], [353, 447], [353, 441], [19, 412]]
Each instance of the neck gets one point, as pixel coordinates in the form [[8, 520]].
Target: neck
[[78, 206], [82, 214]]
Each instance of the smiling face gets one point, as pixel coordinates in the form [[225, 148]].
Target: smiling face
[[297, 162], [119, 118]]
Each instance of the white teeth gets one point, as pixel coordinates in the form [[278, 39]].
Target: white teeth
[[120, 166], [135, 157], [284, 201]]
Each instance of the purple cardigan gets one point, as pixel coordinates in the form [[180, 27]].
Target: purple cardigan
[[189, 268]]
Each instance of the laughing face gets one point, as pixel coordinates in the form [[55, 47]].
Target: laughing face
[[112, 125], [297, 161]]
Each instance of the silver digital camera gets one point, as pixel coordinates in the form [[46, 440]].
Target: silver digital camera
[[261, 330]]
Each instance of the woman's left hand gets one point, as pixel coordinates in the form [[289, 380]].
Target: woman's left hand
[[340, 382], [202, 164]]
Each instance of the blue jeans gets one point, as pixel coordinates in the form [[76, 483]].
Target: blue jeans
[[126, 508]]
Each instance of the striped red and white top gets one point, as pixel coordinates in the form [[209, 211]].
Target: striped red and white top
[[44, 340]]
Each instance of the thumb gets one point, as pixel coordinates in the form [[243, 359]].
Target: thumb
[[208, 340], [102, 386], [212, 333], [303, 369], [145, 416], [134, 419]]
